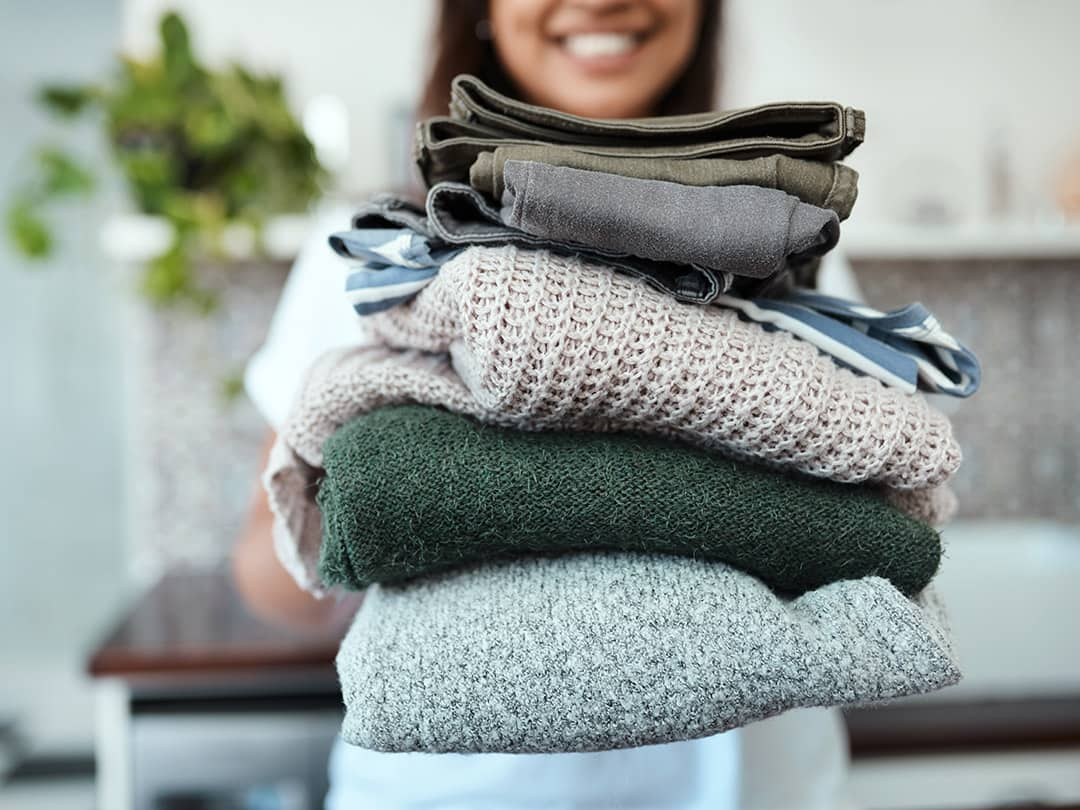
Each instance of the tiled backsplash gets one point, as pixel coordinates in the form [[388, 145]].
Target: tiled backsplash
[[1021, 432], [194, 454]]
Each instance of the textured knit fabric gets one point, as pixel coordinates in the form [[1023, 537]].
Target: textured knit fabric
[[346, 383], [413, 490], [906, 348], [482, 119], [830, 185], [743, 230], [600, 651], [545, 339]]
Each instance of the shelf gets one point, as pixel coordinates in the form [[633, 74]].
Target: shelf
[[981, 241], [137, 238]]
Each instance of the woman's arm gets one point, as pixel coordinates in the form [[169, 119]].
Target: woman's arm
[[266, 586]]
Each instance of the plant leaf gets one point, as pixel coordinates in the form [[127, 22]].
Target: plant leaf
[[170, 279], [28, 230], [176, 53], [61, 173], [65, 100], [232, 387], [203, 148]]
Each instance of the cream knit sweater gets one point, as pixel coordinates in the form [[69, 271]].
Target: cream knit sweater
[[555, 343]]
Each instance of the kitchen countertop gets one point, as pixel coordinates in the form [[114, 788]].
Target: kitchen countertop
[[195, 624]]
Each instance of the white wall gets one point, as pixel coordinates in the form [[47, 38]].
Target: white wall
[[941, 80], [62, 571]]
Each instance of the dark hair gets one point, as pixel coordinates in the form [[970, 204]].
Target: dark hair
[[462, 44]]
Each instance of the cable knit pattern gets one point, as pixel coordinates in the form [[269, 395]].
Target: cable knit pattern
[[546, 339], [345, 383]]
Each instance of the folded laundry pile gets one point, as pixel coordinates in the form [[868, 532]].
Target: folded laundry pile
[[613, 474]]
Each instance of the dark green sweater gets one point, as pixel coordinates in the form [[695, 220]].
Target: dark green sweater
[[411, 490]]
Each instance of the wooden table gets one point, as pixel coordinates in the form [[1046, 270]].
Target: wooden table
[[188, 660]]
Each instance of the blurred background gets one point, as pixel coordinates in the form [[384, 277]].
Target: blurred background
[[128, 317]]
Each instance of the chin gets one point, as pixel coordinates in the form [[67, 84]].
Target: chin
[[608, 102]]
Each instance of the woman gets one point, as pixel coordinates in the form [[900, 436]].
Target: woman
[[599, 58]]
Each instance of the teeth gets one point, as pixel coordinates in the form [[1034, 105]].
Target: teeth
[[587, 45]]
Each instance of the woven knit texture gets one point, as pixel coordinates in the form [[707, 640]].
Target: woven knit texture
[[544, 338], [346, 383], [600, 651], [413, 490]]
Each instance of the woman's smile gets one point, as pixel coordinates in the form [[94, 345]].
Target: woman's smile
[[602, 51], [601, 58]]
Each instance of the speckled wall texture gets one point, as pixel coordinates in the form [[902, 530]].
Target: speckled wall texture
[[1020, 432]]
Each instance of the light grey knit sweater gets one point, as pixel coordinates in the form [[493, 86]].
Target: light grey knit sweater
[[599, 651]]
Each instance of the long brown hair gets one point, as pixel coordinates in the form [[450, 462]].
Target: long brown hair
[[462, 44]]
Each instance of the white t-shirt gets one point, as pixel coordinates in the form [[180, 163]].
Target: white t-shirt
[[312, 316], [802, 751]]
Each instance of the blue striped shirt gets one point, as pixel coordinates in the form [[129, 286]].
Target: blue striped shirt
[[906, 348]]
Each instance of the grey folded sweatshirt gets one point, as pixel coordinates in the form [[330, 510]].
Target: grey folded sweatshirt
[[594, 651], [744, 230]]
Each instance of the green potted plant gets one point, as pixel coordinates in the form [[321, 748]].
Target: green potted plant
[[209, 157], [213, 153]]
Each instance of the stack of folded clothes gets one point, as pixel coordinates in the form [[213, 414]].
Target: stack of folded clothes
[[611, 476]]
